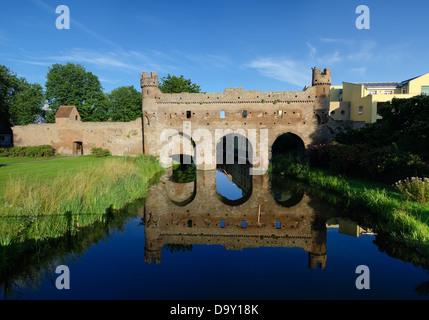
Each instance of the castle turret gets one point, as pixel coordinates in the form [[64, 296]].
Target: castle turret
[[150, 90], [321, 80]]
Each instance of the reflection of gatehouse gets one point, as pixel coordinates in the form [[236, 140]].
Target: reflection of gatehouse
[[192, 213]]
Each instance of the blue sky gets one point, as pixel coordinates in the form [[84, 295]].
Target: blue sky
[[258, 45]]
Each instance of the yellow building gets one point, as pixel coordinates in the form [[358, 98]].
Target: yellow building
[[359, 101]]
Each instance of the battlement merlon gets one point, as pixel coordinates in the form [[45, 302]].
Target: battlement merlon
[[147, 80]]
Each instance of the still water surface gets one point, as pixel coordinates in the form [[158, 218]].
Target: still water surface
[[215, 235]]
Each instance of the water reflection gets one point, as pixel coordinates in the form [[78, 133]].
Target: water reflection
[[181, 212], [256, 219]]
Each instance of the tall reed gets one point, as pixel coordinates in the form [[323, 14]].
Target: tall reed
[[109, 184]]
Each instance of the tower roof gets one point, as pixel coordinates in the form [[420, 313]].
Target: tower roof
[[64, 111]]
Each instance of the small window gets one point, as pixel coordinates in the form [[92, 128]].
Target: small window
[[189, 223], [222, 223], [388, 92], [243, 224], [343, 112], [244, 114], [75, 117], [278, 224], [361, 110], [404, 91], [188, 114], [222, 114], [279, 114], [425, 90], [372, 92]]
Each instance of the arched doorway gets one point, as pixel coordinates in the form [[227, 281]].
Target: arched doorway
[[289, 145]]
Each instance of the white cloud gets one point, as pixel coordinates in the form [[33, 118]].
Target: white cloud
[[283, 69]]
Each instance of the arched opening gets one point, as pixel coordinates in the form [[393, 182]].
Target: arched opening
[[182, 184], [286, 192], [234, 183], [289, 145]]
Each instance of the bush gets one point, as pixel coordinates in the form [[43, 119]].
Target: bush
[[387, 164], [43, 151], [100, 152], [415, 188]]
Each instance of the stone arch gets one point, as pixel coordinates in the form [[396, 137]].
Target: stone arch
[[290, 144]]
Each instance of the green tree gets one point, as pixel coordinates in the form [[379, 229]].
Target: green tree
[[27, 103], [20, 100], [173, 84], [124, 104], [71, 84], [9, 85]]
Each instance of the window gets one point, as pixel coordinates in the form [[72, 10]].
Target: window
[[425, 90], [189, 223], [278, 224], [244, 114], [222, 114], [388, 92], [279, 114], [222, 223], [361, 110], [188, 114], [404, 91], [372, 92], [243, 224]]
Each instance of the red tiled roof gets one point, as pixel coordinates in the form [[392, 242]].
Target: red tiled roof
[[64, 111]]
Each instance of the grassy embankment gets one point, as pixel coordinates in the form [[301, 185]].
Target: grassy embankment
[[402, 219], [82, 185]]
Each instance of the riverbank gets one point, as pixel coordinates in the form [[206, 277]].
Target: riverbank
[[81, 186], [403, 220]]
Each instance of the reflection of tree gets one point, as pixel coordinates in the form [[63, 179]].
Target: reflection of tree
[[422, 289], [183, 173], [177, 247]]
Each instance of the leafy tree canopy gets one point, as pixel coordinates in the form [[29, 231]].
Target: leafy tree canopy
[[173, 84], [124, 104], [20, 101], [72, 85]]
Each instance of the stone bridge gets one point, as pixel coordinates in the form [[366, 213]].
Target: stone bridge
[[202, 119]]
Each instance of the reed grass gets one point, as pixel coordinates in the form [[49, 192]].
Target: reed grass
[[96, 188]]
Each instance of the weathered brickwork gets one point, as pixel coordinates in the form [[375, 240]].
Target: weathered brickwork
[[303, 113], [121, 138]]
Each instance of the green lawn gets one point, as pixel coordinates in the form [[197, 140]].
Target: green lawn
[[7, 160]]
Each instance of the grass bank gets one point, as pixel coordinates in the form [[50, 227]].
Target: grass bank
[[403, 220], [80, 186]]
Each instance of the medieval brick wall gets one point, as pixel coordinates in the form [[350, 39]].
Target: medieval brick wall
[[121, 138]]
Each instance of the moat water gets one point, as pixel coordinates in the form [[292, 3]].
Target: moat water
[[220, 234]]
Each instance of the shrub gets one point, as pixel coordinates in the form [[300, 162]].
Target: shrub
[[32, 152], [100, 152], [387, 164], [414, 188]]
